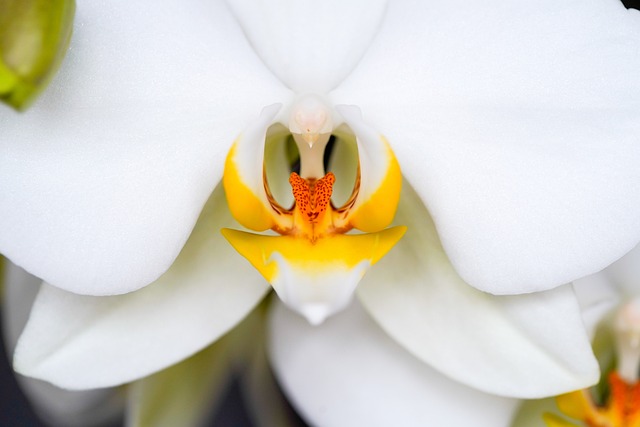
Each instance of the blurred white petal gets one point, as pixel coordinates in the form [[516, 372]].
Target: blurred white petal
[[80, 342], [523, 345], [58, 407], [348, 372]]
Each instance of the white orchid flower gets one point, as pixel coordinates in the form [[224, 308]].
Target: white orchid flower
[[610, 302], [515, 125], [373, 381]]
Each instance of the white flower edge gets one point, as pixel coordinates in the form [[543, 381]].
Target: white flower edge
[[522, 345], [59, 407], [80, 342], [361, 377]]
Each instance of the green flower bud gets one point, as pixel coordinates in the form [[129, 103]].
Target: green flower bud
[[34, 36]]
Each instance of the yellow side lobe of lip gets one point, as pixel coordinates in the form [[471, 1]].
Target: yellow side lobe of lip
[[575, 404], [553, 420], [620, 409], [378, 210], [325, 254], [246, 207]]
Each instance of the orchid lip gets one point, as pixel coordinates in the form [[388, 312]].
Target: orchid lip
[[316, 262]]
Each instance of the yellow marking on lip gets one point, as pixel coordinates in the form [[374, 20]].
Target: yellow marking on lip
[[553, 420], [622, 408], [332, 251]]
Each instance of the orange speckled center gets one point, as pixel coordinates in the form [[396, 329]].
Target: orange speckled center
[[312, 196], [622, 408]]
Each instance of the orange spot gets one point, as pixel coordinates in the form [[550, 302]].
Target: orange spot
[[624, 403], [312, 196], [622, 408]]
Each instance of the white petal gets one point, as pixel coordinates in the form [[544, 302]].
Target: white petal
[[518, 125], [182, 395], [64, 408], [311, 46], [522, 346], [104, 178], [81, 342], [59, 407], [347, 372]]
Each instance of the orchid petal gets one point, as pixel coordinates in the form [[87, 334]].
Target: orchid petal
[[108, 171], [518, 126], [79, 342], [311, 46], [59, 407], [361, 377], [185, 394], [521, 346]]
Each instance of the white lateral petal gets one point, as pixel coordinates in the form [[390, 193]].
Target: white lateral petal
[[522, 346], [311, 46], [361, 377], [518, 126], [79, 342], [59, 407], [102, 180]]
